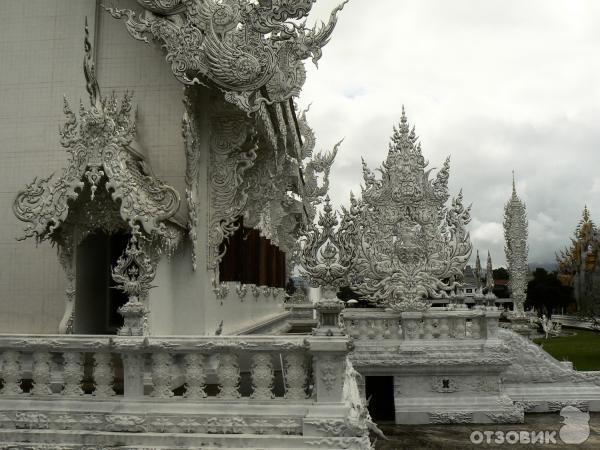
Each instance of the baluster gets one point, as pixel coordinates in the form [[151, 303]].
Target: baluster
[[72, 373], [103, 374], [41, 373], [460, 327], [229, 375], [428, 328], [262, 376], [295, 376], [444, 328], [11, 373], [195, 375], [476, 327], [133, 374], [161, 375]]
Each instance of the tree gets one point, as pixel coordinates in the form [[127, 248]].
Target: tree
[[500, 273], [546, 293]]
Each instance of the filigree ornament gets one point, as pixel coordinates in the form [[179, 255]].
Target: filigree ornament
[[327, 256], [134, 274], [407, 242], [134, 270], [252, 51], [101, 149], [313, 167], [515, 235]]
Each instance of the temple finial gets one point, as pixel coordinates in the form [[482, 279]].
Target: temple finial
[[91, 83], [513, 183]]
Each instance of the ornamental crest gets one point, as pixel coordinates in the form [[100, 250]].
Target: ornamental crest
[[102, 155], [408, 244], [327, 254]]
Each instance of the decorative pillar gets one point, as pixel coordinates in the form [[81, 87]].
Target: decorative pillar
[[103, 374], [295, 376], [11, 373], [262, 376], [41, 373], [195, 375], [72, 373], [161, 375], [228, 374], [133, 374]]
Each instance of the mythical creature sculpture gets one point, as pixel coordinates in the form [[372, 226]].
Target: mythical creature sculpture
[[313, 166], [252, 51], [515, 235], [407, 243]]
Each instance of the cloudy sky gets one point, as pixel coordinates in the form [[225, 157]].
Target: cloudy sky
[[497, 84]]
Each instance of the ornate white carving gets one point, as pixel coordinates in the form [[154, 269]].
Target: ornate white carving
[[11, 373], [327, 254], [233, 148], [100, 149], [72, 373], [515, 235], [251, 51], [450, 417], [161, 375], [195, 375], [125, 422], [134, 272], [407, 241], [41, 373], [228, 374], [295, 376], [103, 374], [262, 376]]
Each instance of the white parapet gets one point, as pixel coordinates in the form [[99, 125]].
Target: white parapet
[[240, 391]]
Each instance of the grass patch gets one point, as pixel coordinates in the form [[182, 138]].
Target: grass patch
[[582, 349]]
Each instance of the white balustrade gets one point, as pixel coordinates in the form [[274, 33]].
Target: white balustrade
[[364, 324], [88, 367]]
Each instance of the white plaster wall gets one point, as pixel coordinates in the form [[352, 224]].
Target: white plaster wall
[[41, 51]]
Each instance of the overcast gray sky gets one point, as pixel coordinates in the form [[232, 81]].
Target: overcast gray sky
[[496, 84]]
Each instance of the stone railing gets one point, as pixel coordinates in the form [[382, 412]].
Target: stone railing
[[151, 384], [434, 324]]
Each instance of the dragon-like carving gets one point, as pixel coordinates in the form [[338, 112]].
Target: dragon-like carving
[[252, 51], [102, 152]]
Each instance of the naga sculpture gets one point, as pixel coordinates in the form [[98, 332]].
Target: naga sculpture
[[252, 51]]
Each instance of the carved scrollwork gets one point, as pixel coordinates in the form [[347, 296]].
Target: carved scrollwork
[[252, 51], [407, 241], [326, 256], [101, 151]]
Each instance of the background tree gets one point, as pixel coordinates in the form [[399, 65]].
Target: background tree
[[546, 293]]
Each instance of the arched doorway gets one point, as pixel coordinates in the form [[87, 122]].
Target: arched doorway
[[97, 299]]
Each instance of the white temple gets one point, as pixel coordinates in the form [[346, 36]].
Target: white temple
[[176, 212]]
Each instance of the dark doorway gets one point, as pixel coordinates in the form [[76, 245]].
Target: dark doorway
[[380, 390], [97, 300]]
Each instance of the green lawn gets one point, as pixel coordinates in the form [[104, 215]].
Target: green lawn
[[582, 349]]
